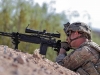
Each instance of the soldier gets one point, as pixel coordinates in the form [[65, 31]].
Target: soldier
[[84, 58]]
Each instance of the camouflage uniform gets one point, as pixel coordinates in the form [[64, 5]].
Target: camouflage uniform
[[85, 59]]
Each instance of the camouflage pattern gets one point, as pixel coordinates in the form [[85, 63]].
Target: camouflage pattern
[[78, 26], [84, 60]]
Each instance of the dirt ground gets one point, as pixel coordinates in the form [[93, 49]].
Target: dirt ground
[[18, 63]]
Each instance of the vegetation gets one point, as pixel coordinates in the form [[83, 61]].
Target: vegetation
[[15, 15]]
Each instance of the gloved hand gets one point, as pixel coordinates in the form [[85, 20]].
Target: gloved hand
[[65, 46], [62, 47]]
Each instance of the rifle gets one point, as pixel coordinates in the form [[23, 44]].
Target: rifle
[[38, 37]]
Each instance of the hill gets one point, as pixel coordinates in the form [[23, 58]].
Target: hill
[[14, 62]]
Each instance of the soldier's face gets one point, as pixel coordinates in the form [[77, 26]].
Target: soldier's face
[[70, 38]]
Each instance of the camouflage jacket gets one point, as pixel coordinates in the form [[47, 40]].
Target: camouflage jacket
[[81, 59]]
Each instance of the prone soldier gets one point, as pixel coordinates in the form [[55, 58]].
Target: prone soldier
[[85, 57]]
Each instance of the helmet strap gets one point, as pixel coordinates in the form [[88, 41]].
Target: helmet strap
[[74, 39]]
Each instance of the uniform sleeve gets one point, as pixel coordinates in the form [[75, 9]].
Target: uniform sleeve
[[59, 58], [77, 58]]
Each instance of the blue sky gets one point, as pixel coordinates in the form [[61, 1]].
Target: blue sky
[[90, 6]]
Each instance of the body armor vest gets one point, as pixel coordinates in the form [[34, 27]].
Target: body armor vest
[[91, 68]]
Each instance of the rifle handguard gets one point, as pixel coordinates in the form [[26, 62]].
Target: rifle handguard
[[65, 46]]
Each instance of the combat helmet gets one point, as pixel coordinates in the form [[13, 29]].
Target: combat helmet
[[80, 27]]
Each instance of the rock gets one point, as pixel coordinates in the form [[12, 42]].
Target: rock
[[20, 59]]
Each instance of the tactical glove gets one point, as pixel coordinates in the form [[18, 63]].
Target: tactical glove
[[65, 46]]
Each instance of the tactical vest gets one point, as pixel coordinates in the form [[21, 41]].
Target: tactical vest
[[90, 68]]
